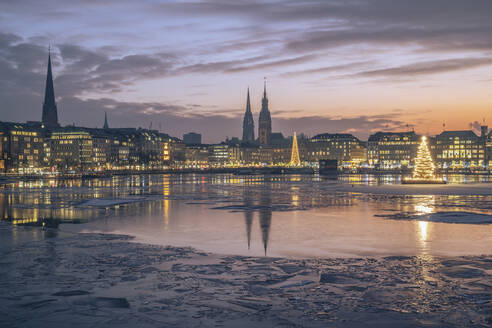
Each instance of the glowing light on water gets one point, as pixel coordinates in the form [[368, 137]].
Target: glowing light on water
[[424, 208], [423, 225]]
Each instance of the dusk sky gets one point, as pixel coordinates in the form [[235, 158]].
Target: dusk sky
[[332, 66]]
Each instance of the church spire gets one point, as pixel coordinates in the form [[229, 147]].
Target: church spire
[[248, 103], [265, 121], [248, 123], [50, 113], [106, 126], [264, 89]]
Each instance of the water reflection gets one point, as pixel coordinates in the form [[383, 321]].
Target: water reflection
[[248, 214], [265, 215], [425, 205], [180, 205]]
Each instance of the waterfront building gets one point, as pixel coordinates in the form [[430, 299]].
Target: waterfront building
[[147, 147], [488, 148], [343, 147], [281, 154], [101, 150], [219, 154], [2, 158], [455, 150], [236, 155], [177, 150], [192, 138], [248, 123], [257, 155], [71, 150], [263, 156], [392, 150], [196, 155], [23, 147], [264, 121], [50, 112]]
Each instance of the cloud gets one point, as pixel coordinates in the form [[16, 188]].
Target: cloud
[[90, 71], [104, 49], [328, 69], [430, 67], [361, 126], [271, 64]]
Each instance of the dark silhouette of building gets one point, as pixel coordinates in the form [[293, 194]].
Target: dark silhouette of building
[[50, 113], [265, 121], [192, 138], [248, 123], [105, 126]]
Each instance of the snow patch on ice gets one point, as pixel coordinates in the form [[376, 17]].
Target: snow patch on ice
[[106, 202], [445, 217], [448, 189]]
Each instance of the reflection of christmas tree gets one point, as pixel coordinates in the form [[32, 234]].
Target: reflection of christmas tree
[[294, 156], [424, 166]]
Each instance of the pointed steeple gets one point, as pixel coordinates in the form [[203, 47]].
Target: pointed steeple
[[248, 122], [50, 112], [265, 120], [248, 103], [106, 126], [264, 89]]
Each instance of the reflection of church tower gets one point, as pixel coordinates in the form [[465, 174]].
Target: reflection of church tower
[[248, 214], [248, 123], [265, 121], [265, 214], [50, 113]]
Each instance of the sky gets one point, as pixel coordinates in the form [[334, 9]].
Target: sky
[[352, 66]]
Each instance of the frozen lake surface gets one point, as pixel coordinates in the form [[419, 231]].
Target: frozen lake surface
[[292, 216], [57, 276]]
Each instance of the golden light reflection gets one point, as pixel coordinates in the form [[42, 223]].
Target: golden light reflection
[[423, 208], [166, 193], [423, 225], [295, 199], [425, 205]]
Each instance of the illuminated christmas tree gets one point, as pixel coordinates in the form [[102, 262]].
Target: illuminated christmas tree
[[424, 168], [294, 157]]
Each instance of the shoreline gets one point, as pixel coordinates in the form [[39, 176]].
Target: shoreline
[[110, 280], [6, 177]]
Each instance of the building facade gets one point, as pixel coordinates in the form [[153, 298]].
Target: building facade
[[219, 155], [392, 150], [71, 150], [192, 138], [345, 148], [455, 150]]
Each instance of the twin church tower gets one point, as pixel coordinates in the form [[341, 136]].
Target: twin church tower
[[50, 113], [264, 122]]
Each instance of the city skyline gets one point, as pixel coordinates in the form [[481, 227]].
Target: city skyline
[[326, 71]]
